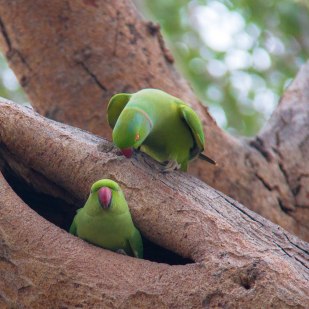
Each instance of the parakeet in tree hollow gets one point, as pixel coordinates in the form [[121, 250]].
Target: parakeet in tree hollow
[[105, 220], [159, 124]]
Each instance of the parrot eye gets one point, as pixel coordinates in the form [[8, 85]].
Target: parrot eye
[[137, 137]]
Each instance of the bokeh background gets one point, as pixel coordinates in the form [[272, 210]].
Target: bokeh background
[[238, 56]]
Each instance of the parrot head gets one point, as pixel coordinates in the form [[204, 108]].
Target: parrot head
[[131, 129], [106, 195]]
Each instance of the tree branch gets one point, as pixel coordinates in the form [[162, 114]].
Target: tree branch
[[239, 257], [86, 51]]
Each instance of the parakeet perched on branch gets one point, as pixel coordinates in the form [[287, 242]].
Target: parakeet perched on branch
[[105, 220], [159, 124]]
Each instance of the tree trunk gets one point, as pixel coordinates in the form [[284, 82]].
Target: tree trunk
[[238, 259], [72, 56]]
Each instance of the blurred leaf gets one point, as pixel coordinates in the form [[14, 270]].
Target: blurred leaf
[[9, 86], [248, 50]]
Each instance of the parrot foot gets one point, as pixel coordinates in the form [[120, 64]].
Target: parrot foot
[[171, 166], [121, 251]]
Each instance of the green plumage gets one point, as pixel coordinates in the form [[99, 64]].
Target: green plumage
[[110, 228], [159, 124]]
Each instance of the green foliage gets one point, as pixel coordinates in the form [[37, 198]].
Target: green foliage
[[238, 55], [9, 86]]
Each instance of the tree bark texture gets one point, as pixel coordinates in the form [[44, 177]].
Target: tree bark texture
[[72, 56], [239, 258]]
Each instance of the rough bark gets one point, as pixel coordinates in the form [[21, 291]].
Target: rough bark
[[71, 56], [240, 259]]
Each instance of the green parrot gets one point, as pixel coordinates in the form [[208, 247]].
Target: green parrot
[[105, 220], [158, 124]]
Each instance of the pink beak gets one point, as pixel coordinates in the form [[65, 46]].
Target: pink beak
[[105, 197], [127, 152]]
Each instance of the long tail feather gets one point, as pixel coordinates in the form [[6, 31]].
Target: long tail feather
[[205, 158]]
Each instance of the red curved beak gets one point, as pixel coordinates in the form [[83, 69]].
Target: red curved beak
[[105, 197], [127, 152]]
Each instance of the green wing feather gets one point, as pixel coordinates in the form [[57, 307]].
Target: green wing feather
[[136, 244], [194, 122], [115, 106], [195, 125], [73, 227]]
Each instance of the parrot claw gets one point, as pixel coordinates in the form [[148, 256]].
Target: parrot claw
[[171, 166], [121, 251]]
